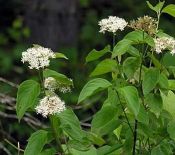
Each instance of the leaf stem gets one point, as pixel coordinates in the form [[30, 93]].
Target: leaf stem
[[56, 135], [135, 137], [140, 85], [125, 114]]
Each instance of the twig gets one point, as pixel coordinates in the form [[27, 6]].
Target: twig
[[26, 119], [5, 149], [8, 82], [85, 124], [7, 141]]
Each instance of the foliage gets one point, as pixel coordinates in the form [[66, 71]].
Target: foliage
[[137, 117]]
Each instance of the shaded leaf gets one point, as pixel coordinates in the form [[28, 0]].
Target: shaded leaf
[[171, 129], [156, 8], [60, 55], [170, 9], [155, 103], [92, 87], [105, 66], [51, 151], [104, 121], [121, 47], [168, 102], [71, 125], [27, 94], [36, 142], [94, 54], [130, 65], [150, 80], [132, 98]]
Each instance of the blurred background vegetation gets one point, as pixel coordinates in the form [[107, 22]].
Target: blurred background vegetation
[[67, 26]]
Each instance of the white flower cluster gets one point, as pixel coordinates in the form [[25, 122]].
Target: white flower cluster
[[37, 57], [64, 89], [112, 24], [50, 105], [164, 43], [51, 84]]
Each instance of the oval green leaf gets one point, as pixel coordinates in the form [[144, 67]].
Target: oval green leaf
[[36, 142], [27, 94], [105, 121], [150, 80], [104, 67], [92, 87], [132, 98]]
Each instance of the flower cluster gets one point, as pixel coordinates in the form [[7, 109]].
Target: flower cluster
[[145, 23], [50, 105], [164, 43], [37, 57], [51, 84], [112, 24]]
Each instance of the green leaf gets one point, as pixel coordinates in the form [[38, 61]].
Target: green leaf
[[139, 37], [81, 146], [51, 151], [59, 77], [155, 61], [105, 121], [105, 66], [91, 151], [150, 80], [163, 82], [94, 54], [143, 115], [60, 55], [133, 51], [168, 103], [171, 129], [168, 60], [95, 139], [132, 98], [156, 8], [92, 87], [71, 125], [27, 94], [110, 150], [170, 9], [171, 84], [112, 99], [121, 47], [155, 103], [36, 142], [117, 131], [157, 151], [130, 65]]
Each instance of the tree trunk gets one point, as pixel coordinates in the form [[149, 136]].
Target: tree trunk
[[53, 23]]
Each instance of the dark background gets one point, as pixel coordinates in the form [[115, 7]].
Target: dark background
[[67, 26]]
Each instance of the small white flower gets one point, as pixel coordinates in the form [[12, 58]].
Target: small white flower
[[50, 105], [64, 89], [164, 43], [112, 24], [50, 83], [37, 57]]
